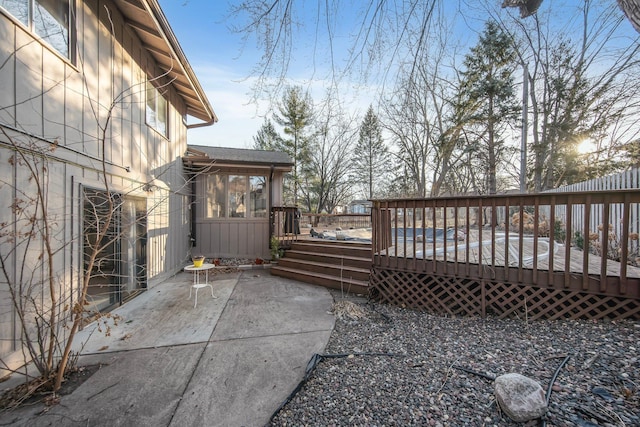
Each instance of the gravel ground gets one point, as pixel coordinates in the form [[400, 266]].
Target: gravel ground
[[413, 376]]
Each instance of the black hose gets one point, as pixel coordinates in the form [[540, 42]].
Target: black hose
[[480, 374], [543, 423]]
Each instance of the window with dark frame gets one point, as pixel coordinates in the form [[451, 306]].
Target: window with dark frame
[[236, 196]]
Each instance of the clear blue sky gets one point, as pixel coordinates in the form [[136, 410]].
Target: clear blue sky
[[214, 54]]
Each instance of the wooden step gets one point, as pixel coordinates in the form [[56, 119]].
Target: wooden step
[[334, 248], [328, 281], [338, 260], [333, 264], [336, 270]]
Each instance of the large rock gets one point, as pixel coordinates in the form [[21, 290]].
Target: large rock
[[521, 398]]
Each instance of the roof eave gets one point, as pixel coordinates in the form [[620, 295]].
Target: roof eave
[[186, 83]]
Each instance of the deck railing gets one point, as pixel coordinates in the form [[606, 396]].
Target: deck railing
[[528, 239], [335, 221], [288, 224], [284, 225]]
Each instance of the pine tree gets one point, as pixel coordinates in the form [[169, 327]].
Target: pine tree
[[489, 103], [267, 137], [295, 114], [371, 155]]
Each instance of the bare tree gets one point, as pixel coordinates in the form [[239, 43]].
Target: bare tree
[[375, 32], [581, 80], [631, 9], [327, 181]]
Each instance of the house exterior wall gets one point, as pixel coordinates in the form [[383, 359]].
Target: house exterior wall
[[60, 109], [234, 237]]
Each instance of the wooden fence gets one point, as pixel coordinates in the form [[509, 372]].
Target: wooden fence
[[510, 255]]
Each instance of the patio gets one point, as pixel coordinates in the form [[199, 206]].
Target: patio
[[229, 361]]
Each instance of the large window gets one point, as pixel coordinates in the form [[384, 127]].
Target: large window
[[216, 193], [236, 196], [51, 20], [258, 188], [156, 111]]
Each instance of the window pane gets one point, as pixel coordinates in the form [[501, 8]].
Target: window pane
[[161, 115], [156, 109], [18, 8], [258, 187], [150, 116], [215, 194], [237, 194], [51, 22]]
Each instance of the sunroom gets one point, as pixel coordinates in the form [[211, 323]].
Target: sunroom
[[232, 194]]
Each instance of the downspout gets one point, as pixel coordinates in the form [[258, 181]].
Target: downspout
[[192, 209], [271, 213]]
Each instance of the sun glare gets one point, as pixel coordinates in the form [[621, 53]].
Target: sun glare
[[586, 147]]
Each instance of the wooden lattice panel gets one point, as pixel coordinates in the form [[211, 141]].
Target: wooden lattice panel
[[438, 294], [462, 296]]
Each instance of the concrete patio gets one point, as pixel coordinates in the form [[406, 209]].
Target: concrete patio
[[230, 361]]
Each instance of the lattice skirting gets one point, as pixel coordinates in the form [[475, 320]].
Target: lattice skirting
[[474, 297]]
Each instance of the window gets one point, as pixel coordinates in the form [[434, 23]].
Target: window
[[51, 20], [216, 192], [236, 196], [156, 114], [258, 188]]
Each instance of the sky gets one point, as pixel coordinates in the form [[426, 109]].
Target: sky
[[214, 54], [223, 64]]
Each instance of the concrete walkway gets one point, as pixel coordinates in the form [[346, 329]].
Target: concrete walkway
[[230, 361]]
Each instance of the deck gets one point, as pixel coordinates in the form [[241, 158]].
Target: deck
[[551, 255], [541, 254]]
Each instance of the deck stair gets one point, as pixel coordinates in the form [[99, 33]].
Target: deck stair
[[333, 264]]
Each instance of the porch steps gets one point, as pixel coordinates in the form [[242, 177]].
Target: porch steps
[[336, 265]]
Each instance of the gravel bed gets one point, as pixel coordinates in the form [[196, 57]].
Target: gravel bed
[[413, 378]]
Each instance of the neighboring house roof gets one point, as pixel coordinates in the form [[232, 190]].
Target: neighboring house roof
[[147, 20], [200, 155]]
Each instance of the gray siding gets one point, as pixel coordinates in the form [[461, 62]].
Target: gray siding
[[44, 99], [233, 237]]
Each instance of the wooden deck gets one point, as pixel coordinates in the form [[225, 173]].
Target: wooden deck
[[499, 254], [481, 248]]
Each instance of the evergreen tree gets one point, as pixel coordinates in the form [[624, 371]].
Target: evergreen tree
[[295, 115], [371, 155], [267, 137], [488, 102]]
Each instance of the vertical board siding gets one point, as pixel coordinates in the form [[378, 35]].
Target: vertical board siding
[[7, 76], [28, 87], [232, 238], [7, 319], [54, 101]]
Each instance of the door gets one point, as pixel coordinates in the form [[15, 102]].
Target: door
[[114, 232]]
